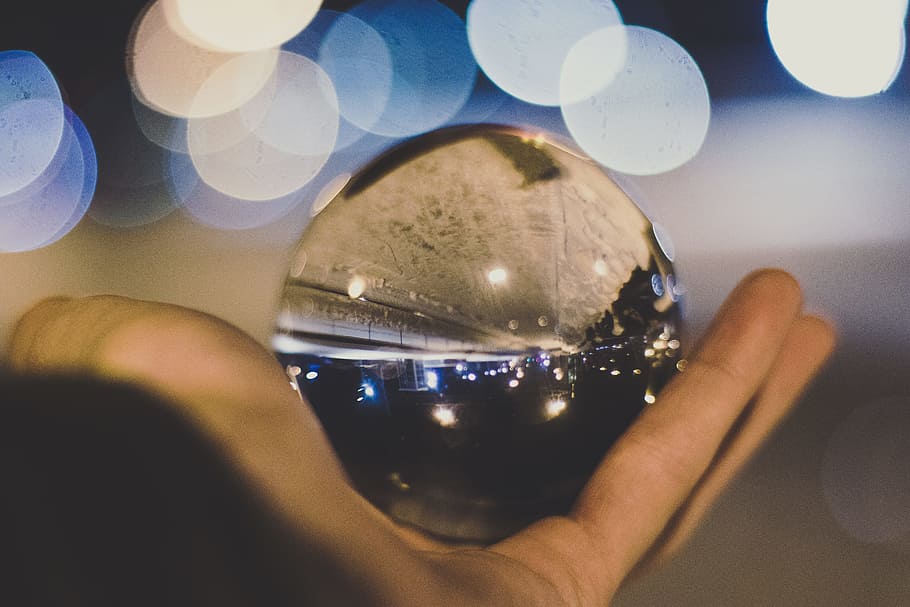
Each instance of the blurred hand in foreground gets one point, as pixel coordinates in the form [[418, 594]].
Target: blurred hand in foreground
[[643, 501]]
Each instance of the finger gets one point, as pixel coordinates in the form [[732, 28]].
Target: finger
[[29, 329], [654, 466], [63, 334], [810, 342], [652, 469]]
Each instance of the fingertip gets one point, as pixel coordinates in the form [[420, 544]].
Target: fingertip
[[774, 283], [821, 331]]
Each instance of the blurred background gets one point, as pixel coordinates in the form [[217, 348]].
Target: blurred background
[[152, 186]]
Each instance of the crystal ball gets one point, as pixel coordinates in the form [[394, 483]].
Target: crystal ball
[[475, 317]]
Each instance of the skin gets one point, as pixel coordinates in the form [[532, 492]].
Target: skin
[[645, 499]]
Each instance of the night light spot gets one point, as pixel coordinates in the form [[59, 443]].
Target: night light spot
[[657, 285], [845, 49], [31, 121], [497, 276], [356, 287], [555, 407], [653, 117], [434, 70], [445, 416], [432, 380], [522, 46]]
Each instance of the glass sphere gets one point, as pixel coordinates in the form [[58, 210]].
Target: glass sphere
[[475, 318]]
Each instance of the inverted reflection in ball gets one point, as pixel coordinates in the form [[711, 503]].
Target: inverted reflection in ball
[[475, 317]]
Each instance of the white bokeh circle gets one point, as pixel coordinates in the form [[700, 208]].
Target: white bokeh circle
[[32, 120], [240, 26], [521, 46], [653, 117], [845, 49], [280, 145], [168, 72]]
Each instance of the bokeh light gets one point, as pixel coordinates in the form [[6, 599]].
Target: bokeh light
[[31, 120], [434, 70], [289, 137], [653, 116], [52, 212], [357, 60], [522, 46], [846, 48], [240, 25], [168, 72], [210, 207], [864, 474]]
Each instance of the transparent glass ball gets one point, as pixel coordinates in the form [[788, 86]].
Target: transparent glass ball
[[475, 318]]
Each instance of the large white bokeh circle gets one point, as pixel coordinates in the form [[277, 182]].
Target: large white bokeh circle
[[843, 48], [240, 26], [653, 117], [278, 147], [521, 46], [31, 121], [167, 71]]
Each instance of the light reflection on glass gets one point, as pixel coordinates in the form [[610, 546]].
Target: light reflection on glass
[[555, 407]]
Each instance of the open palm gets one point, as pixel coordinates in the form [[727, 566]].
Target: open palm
[[645, 498]]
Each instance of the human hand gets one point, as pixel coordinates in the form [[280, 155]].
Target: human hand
[[646, 497]]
